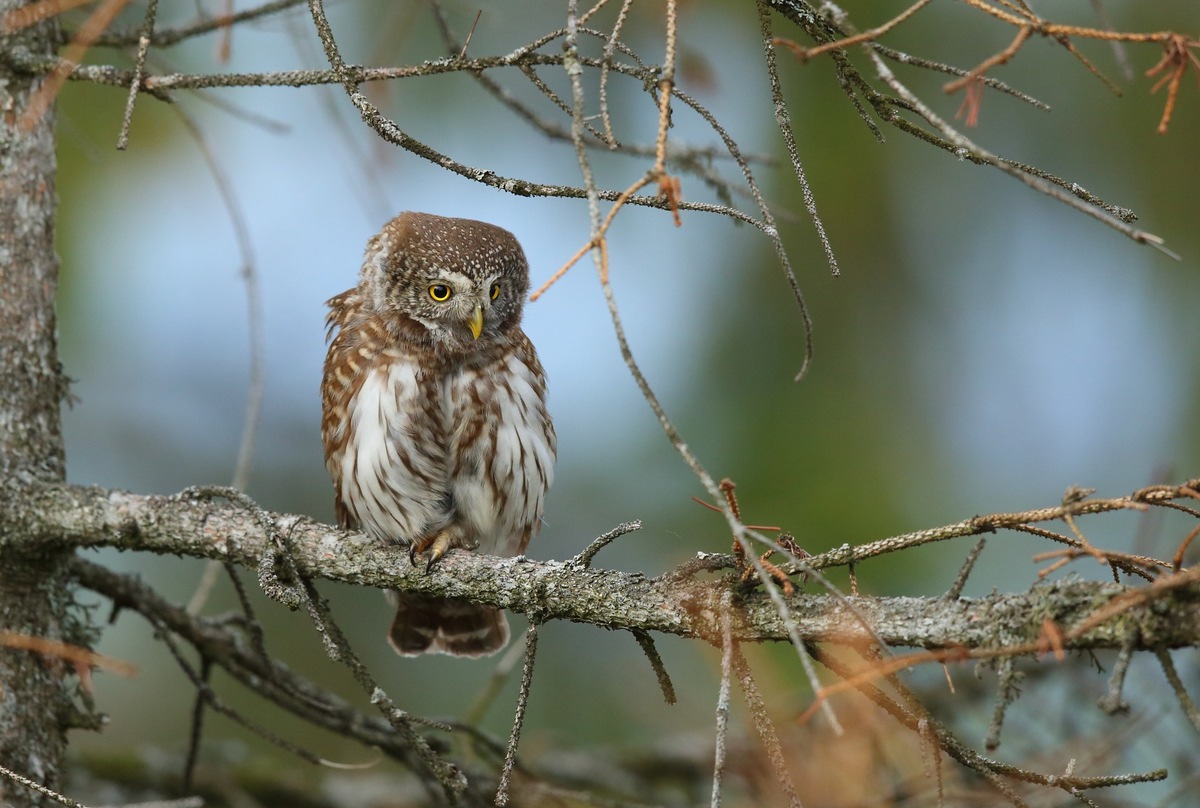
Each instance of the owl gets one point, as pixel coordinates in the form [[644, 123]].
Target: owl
[[434, 414]]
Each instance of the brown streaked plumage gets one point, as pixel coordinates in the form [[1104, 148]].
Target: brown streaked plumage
[[434, 413]]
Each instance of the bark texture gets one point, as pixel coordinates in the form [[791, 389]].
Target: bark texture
[[35, 702]]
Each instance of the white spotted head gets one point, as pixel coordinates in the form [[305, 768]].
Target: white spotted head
[[463, 281]]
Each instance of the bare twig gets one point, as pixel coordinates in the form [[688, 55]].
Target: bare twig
[[204, 24], [61, 799], [96, 22], [956, 589], [783, 120], [1157, 495], [584, 559], [139, 69], [197, 726], [1112, 702], [994, 771], [606, 66], [967, 149], [510, 756], [723, 697], [766, 729], [793, 633], [222, 646], [254, 317], [1007, 690], [1185, 700], [646, 642], [804, 54], [933, 759], [81, 658], [489, 692], [199, 680]]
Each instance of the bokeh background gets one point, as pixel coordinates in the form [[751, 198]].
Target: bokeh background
[[984, 348]]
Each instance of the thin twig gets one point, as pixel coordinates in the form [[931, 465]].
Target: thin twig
[[62, 799], [204, 24], [1006, 693], [939, 67], [992, 770], [1185, 700], [584, 559], [487, 694], [80, 658], [965, 147], [267, 677], [783, 120], [1112, 701], [42, 98], [646, 642], [804, 54], [723, 696], [606, 63], [785, 128], [510, 756], [766, 729], [933, 756], [139, 70], [204, 691], [254, 317], [197, 726], [462, 54], [258, 640], [789, 625], [1159, 495], [955, 591]]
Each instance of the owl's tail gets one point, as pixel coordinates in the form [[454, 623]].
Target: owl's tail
[[432, 625]]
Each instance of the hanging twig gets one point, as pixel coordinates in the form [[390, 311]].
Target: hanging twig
[[646, 642], [766, 729], [722, 729], [1185, 700], [139, 70], [510, 756]]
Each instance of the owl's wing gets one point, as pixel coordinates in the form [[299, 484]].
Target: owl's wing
[[385, 440]]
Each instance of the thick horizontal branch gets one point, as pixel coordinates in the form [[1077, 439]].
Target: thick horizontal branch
[[39, 517]]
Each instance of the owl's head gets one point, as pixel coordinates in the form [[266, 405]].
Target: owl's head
[[463, 281]]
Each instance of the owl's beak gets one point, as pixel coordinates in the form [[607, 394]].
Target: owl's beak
[[476, 322]]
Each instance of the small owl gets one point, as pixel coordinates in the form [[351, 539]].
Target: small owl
[[434, 413]]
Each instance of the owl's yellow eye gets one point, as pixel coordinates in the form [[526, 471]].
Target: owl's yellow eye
[[495, 291], [440, 292]]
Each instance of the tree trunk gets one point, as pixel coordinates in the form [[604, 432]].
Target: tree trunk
[[36, 707]]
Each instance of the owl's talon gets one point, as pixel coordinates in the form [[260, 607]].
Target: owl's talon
[[438, 549]]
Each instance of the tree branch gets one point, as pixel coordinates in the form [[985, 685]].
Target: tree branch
[[64, 515]]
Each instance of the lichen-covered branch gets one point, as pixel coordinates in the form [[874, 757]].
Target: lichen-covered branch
[[58, 516]]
